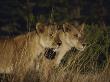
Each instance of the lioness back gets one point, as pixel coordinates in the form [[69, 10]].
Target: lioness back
[[12, 51], [6, 54]]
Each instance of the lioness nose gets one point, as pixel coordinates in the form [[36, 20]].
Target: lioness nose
[[59, 43]]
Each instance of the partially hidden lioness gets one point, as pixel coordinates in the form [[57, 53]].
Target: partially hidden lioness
[[71, 36], [17, 54]]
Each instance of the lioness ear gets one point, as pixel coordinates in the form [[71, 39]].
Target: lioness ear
[[40, 27], [66, 27], [81, 27]]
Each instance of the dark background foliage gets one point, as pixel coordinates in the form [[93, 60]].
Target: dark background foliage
[[17, 16]]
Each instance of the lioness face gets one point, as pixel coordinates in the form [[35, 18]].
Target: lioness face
[[49, 37], [70, 36], [73, 36]]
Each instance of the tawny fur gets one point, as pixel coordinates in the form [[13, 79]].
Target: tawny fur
[[17, 54]]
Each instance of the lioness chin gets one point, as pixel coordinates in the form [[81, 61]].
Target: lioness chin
[[17, 54]]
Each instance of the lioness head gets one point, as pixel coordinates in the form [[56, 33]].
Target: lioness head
[[48, 34], [73, 36]]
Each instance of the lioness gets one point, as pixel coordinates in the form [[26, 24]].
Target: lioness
[[17, 54], [71, 36]]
